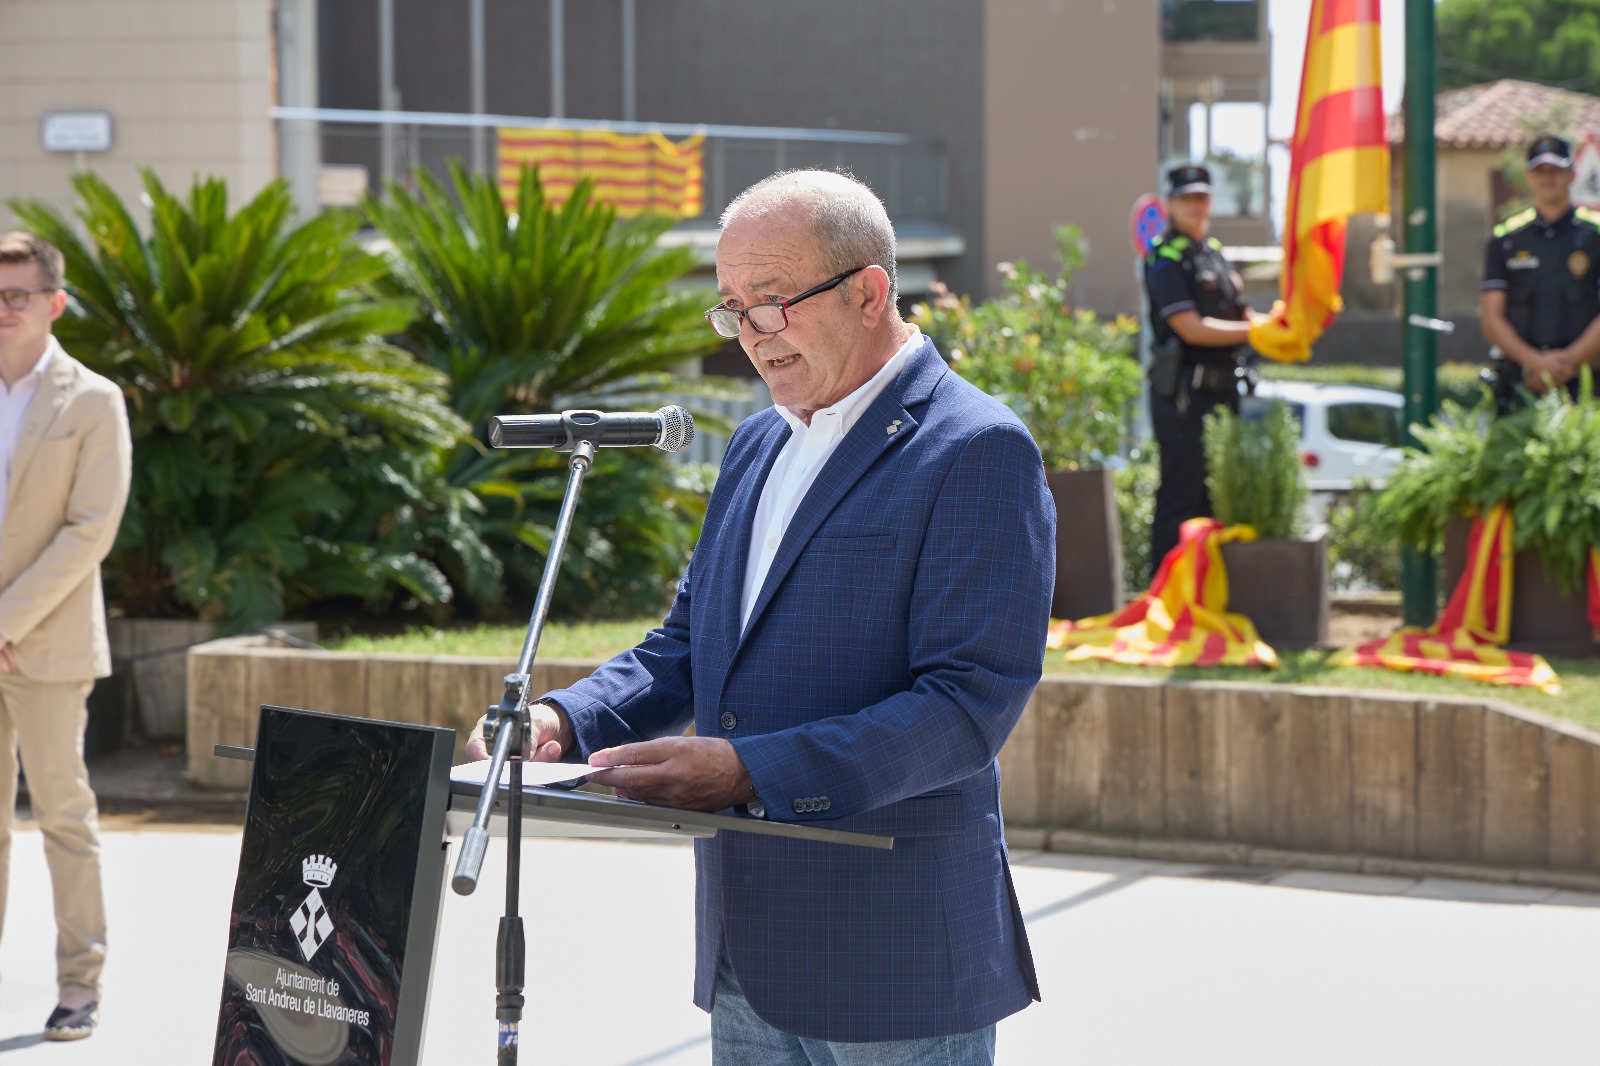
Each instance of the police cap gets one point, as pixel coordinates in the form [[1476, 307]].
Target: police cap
[[1549, 149], [1188, 178]]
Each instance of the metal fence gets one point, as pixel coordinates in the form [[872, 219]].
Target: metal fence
[[365, 148], [340, 154]]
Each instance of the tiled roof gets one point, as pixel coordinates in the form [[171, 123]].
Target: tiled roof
[[1497, 114]]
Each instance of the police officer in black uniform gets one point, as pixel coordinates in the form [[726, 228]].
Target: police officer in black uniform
[[1201, 323], [1540, 303]]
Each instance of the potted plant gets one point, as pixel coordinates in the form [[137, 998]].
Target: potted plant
[[1544, 462], [1280, 580], [283, 451], [1071, 378]]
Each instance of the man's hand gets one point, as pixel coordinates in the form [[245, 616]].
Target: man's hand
[[551, 736], [1547, 370], [1571, 363], [690, 773]]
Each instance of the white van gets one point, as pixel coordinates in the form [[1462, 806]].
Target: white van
[[1346, 431]]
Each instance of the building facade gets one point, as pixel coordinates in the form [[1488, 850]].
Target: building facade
[[1007, 118], [183, 87]]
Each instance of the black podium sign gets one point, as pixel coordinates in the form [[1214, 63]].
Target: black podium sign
[[336, 905]]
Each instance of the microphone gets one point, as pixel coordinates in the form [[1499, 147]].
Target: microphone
[[670, 429]]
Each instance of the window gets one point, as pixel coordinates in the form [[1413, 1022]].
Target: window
[[1366, 423], [1254, 409]]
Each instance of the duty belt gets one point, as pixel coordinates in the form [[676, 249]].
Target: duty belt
[[1220, 379]]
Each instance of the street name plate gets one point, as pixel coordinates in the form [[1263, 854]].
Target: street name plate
[[76, 131]]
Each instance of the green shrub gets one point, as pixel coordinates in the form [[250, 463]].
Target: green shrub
[[1136, 513], [1544, 461], [1254, 472], [545, 308], [1360, 556], [1069, 375], [266, 408]]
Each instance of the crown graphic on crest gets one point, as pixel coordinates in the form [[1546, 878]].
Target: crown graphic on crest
[[318, 870]]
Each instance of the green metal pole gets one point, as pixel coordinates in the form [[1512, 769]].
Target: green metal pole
[[1419, 233]]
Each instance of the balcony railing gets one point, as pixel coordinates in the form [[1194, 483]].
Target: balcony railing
[[1210, 20], [911, 174]]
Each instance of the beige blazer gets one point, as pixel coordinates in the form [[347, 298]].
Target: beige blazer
[[69, 484]]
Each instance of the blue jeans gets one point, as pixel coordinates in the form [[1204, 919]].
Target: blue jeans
[[740, 1038]]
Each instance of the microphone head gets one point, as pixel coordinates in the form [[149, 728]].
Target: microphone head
[[677, 428]]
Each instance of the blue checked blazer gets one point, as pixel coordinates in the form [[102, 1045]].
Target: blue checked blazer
[[893, 645]]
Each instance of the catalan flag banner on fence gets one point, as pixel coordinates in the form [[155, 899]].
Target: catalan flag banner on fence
[[1183, 620], [1467, 639], [639, 173], [1338, 166]]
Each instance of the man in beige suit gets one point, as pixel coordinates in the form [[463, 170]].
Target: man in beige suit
[[65, 464]]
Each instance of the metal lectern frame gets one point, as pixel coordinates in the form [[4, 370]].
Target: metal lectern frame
[[451, 806]]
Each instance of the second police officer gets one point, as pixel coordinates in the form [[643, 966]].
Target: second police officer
[[1201, 324], [1540, 303]]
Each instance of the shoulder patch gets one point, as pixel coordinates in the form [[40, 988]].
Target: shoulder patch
[[1213, 244], [1178, 243], [1515, 222], [1170, 251], [1589, 215]]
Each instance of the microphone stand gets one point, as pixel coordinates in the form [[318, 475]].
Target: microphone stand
[[508, 726]]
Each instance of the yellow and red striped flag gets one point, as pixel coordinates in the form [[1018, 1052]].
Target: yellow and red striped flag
[[1594, 594], [638, 173], [1466, 640], [1338, 166], [1183, 620]]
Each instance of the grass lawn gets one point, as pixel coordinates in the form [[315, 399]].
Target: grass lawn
[[1579, 701], [592, 640]]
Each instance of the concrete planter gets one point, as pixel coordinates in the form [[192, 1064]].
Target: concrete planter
[[230, 679], [1088, 543], [149, 659], [1459, 781], [1544, 620], [111, 712], [1343, 773], [1281, 586]]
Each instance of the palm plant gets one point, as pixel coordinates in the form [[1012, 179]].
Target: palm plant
[[549, 307], [268, 415], [1543, 461]]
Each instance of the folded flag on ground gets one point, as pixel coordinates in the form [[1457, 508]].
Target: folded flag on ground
[[1183, 620], [1467, 640]]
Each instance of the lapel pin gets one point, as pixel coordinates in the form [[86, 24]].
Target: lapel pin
[[893, 427]]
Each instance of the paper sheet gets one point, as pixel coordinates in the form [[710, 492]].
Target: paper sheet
[[533, 773]]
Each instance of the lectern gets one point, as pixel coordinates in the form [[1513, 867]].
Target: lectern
[[341, 881]]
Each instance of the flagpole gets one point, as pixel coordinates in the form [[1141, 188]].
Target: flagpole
[[1420, 293]]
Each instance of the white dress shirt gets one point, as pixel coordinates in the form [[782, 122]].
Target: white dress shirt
[[804, 455], [13, 409]]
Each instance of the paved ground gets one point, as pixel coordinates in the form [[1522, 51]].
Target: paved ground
[[1141, 962]]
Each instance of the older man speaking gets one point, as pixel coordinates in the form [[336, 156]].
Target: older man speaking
[[857, 633]]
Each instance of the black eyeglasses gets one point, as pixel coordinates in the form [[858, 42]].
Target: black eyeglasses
[[768, 318], [17, 299]]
